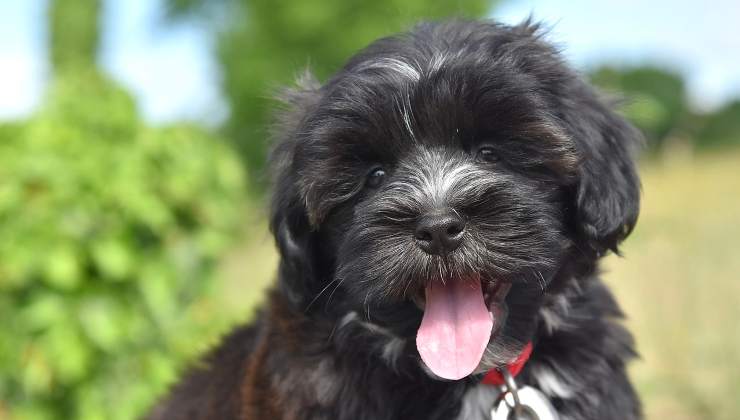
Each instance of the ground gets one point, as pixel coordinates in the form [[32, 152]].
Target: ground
[[679, 283]]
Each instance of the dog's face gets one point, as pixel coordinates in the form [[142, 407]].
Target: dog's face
[[442, 183]]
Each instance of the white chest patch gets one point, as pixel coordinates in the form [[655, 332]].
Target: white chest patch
[[551, 383], [478, 401]]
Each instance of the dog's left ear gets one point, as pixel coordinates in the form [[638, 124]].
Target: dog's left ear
[[607, 193], [288, 216]]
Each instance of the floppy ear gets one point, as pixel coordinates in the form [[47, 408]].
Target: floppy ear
[[288, 213], [607, 194]]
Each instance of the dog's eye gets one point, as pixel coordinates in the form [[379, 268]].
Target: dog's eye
[[487, 154], [375, 178]]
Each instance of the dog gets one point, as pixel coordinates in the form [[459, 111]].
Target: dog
[[440, 205]]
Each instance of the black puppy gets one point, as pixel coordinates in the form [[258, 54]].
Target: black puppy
[[439, 203]]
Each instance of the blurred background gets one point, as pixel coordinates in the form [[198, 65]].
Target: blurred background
[[132, 200]]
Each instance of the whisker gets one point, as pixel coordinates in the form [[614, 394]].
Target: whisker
[[367, 306], [317, 296], [326, 305], [541, 280]]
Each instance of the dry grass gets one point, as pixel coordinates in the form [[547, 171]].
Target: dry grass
[[679, 284], [249, 270]]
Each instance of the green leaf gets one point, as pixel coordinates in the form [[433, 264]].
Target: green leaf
[[63, 268], [44, 311], [68, 354], [113, 258], [100, 318]]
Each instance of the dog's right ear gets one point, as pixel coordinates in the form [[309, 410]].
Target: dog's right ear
[[607, 199], [288, 214]]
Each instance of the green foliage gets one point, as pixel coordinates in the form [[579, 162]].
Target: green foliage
[[109, 235], [721, 127], [74, 32], [656, 102], [266, 43], [655, 99]]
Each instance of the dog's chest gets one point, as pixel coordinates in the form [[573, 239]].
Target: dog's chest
[[478, 402], [485, 401]]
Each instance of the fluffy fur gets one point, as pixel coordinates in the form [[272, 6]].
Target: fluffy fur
[[336, 338]]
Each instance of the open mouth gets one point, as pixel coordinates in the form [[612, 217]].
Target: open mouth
[[461, 316]]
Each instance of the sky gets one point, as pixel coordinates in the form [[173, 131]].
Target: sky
[[172, 73]]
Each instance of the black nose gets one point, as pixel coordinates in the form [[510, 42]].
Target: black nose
[[439, 233]]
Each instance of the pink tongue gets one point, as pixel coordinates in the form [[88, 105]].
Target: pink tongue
[[455, 329]]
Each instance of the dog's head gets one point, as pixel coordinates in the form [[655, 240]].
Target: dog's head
[[443, 182]]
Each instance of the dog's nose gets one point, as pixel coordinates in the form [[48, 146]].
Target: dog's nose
[[439, 233]]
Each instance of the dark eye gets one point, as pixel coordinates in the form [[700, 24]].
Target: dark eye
[[375, 178], [487, 154]]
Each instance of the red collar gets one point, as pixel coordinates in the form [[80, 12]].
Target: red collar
[[494, 377]]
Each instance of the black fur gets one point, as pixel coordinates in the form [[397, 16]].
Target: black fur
[[337, 338]]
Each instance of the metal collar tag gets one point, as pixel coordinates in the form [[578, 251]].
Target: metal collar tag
[[524, 403]]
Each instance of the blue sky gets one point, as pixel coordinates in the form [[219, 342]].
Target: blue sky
[[173, 75]]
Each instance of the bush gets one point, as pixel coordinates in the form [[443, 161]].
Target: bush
[[109, 235], [656, 100], [721, 128]]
